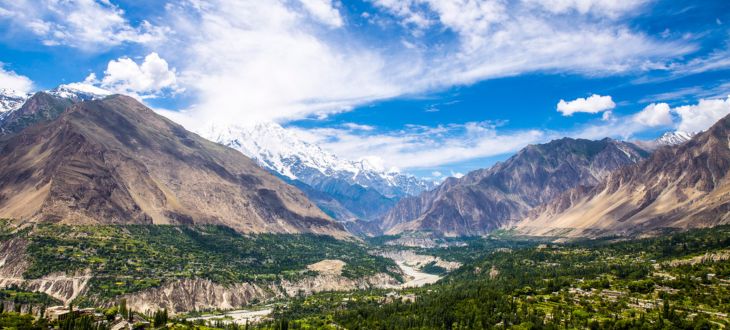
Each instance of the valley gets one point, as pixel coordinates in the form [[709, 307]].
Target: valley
[[136, 222]]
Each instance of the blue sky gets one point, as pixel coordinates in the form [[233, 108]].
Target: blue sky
[[432, 87]]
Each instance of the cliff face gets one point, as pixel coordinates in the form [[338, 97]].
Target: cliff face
[[681, 186], [115, 161], [199, 294], [488, 199]]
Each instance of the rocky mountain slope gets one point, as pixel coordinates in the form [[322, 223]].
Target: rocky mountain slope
[[682, 186], [116, 161], [345, 189], [488, 199]]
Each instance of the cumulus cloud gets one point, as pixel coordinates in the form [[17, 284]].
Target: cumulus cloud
[[84, 24], [699, 117], [593, 104], [146, 80], [324, 11], [688, 118], [654, 115], [11, 80]]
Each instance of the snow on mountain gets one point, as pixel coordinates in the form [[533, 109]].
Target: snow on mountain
[[667, 139], [674, 138], [10, 100], [284, 152], [78, 92]]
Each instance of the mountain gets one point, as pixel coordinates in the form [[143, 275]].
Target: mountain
[[77, 92], [41, 107], [345, 189], [681, 186], [488, 199], [674, 138], [115, 161], [23, 111], [667, 139], [10, 100]]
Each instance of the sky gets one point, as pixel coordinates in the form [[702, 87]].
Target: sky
[[430, 87]]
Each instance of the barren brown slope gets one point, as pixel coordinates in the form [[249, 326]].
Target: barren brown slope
[[116, 161], [684, 186], [485, 200]]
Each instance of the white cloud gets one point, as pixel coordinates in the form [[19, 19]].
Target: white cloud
[[261, 60], [148, 79], [10, 79], [418, 146], [699, 117], [436, 174], [593, 104], [688, 118], [654, 115], [84, 24], [607, 8], [248, 61], [354, 126], [423, 147], [715, 90], [324, 11], [457, 175]]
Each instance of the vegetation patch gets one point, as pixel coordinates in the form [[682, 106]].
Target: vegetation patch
[[130, 258]]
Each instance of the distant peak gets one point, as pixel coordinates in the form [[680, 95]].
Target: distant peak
[[11, 99], [284, 151], [674, 138], [79, 92]]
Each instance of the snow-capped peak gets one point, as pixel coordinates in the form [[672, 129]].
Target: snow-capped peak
[[11, 99], [285, 152], [78, 92], [674, 138]]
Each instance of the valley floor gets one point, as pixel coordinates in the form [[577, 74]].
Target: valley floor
[[675, 281]]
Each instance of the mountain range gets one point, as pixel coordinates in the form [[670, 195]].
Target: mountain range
[[112, 160], [681, 186], [64, 162], [489, 199], [10, 100], [347, 190]]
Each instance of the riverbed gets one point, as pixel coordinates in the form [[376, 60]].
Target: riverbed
[[414, 277]]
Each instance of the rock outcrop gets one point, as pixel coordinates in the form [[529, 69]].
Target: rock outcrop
[[14, 263]]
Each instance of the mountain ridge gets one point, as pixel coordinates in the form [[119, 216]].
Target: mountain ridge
[[681, 186], [116, 161], [488, 199], [347, 190]]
